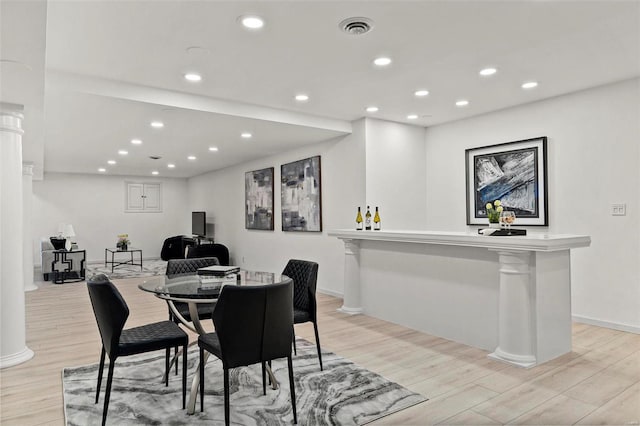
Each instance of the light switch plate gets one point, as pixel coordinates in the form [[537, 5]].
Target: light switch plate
[[618, 209]]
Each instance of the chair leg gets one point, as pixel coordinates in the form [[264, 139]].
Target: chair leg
[[167, 353], [292, 386], [102, 354], [315, 327], [107, 393], [264, 378], [184, 375], [201, 368], [293, 334], [175, 353], [226, 396]]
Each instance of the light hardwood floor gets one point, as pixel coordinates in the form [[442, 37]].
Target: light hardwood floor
[[597, 383]]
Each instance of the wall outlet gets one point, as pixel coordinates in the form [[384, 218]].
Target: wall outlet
[[618, 209]]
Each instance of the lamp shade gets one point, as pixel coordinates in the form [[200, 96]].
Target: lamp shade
[[68, 231], [61, 228]]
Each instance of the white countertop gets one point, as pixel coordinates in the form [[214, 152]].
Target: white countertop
[[531, 242]]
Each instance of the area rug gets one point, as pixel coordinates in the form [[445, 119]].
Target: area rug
[[343, 394], [149, 268]]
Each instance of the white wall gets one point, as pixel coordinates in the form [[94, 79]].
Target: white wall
[[94, 205], [593, 161], [396, 174]]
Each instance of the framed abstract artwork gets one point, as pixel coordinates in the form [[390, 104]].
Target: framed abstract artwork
[[301, 195], [514, 173], [258, 199]]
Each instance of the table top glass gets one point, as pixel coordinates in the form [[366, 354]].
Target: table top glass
[[192, 286], [116, 250]]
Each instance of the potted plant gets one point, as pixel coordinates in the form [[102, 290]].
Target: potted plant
[[123, 242], [493, 213]]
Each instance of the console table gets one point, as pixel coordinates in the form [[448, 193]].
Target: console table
[[510, 295]]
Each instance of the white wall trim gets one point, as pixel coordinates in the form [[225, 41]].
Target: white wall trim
[[330, 292], [607, 324]]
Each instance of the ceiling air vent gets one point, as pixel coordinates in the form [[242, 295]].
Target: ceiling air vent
[[155, 157], [356, 26]]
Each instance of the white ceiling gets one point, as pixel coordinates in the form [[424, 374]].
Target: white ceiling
[[110, 67]]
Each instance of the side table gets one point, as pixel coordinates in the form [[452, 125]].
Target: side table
[[115, 263], [71, 272]]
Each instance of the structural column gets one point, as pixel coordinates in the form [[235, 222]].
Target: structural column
[[515, 315], [27, 215], [13, 348], [351, 302]]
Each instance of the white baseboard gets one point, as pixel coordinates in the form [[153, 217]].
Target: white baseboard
[[607, 324], [330, 293]]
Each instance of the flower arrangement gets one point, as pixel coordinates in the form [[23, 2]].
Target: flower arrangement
[[493, 211], [123, 241]]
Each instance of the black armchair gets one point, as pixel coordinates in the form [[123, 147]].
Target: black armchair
[[111, 313], [210, 250], [190, 266], [253, 325], [304, 275]]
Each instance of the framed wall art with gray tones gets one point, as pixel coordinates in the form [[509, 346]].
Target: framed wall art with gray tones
[[301, 195], [258, 199], [514, 173]]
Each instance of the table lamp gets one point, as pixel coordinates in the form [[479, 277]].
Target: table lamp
[[68, 233]]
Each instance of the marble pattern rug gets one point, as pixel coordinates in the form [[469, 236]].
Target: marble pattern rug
[[343, 394], [150, 268]]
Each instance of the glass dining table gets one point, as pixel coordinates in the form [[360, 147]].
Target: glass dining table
[[194, 289]]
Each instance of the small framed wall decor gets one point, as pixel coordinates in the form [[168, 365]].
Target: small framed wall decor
[[514, 173], [258, 199], [301, 195]]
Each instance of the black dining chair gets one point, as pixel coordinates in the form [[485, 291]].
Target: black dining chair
[[253, 325], [186, 267], [111, 312], [304, 275]]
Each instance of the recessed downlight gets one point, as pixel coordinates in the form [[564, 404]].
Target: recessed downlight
[[171, 166], [157, 124], [246, 135], [123, 152], [421, 93], [302, 97], [191, 157], [155, 172], [213, 148], [111, 162], [372, 109], [136, 141], [529, 84], [251, 22], [193, 77], [412, 116], [488, 71], [382, 61], [102, 170], [462, 103]]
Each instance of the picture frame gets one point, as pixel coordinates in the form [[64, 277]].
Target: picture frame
[[514, 173], [301, 195], [258, 199]]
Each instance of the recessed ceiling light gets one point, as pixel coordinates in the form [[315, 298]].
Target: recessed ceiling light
[[171, 166], [421, 92], [112, 162], [136, 141], [251, 22], [123, 152], [412, 116], [462, 103], [530, 85], [246, 135], [193, 77], [382, 61], [155, 172], [372, 109], [102, 170], [157, 124], [302, 97], [213, 148], [191, 157], [488, 71]]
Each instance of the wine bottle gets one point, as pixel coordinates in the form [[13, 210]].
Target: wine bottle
[[376, 221], [359, 221], [367, 220]]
